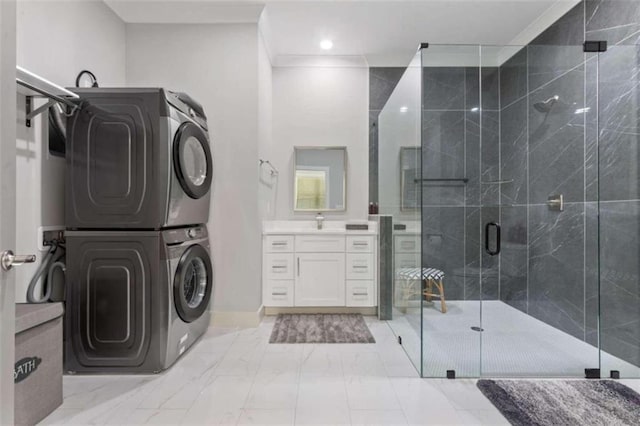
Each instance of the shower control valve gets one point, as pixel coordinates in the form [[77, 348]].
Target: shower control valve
[[556, 203]]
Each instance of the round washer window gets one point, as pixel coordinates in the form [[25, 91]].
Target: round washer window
[[193, 283], [192, 160]]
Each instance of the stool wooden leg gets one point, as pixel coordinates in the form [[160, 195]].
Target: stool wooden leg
[[429, 289], [405, 295], [443, 304]]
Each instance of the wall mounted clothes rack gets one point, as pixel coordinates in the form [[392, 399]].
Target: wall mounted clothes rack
[[32, 85]]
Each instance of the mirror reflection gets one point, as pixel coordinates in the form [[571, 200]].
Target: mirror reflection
[[320, 179], [410, 178]]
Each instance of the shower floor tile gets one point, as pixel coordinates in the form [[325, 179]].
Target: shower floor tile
[[513, 344]]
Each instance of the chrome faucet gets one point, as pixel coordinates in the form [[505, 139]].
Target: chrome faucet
[[320, 220]]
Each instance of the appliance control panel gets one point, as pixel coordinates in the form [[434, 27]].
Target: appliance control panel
[[177, 236]]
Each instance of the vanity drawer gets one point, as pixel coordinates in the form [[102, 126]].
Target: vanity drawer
[[407, 260], [279, 266], [361, 293], [278, 293], [359, 244], [319, 244], [359, 266], [278, 244], [407, 243]]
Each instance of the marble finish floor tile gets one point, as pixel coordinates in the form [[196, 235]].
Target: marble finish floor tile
[[267, 417], [233, 376], [378, 417]]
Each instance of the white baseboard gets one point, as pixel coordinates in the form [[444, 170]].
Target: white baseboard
[[240, 319], [321, 310]]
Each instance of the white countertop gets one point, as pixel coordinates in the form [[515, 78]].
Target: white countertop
[[309, 227]]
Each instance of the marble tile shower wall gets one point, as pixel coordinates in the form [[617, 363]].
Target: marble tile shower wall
[[452, 129], [543, 153], [549, 261], [553, 274], [618, 91]]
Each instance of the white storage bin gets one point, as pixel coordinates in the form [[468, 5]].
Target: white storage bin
[[38, 367]]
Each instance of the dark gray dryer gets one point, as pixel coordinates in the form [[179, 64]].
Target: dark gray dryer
[[137, 159], [136, 300]]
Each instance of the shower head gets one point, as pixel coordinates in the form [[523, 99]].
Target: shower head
[[546, 106]]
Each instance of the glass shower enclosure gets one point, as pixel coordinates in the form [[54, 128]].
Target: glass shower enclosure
[[513, 188]]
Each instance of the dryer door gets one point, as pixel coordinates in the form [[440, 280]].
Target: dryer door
[[193, 283], [192, 160]]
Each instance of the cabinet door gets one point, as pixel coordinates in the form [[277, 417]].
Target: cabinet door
[[320, 244], [278, 293], [359, 244], [359, 266], [407, 243], [407, 260], [360, 293], [278, 266], [278, 244], [320, 279]]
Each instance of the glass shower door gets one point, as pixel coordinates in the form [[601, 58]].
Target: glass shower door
[[452, 135], [505, 167], [616, 177], [399, 198], [537, 309]]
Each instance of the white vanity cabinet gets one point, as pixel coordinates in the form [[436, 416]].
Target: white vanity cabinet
[[315, 270], [320, 280], [278, 270], [407, 254], [406, 248], [362, 271]]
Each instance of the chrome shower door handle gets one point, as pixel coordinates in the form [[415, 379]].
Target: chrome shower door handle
[[8, 260], [487, 228]]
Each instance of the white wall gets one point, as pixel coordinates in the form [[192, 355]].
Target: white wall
[[218, 66], [56, 40], [321, 106], [269, 183]]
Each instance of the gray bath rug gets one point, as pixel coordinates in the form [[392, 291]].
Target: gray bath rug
[[321, 328], [563, 402]]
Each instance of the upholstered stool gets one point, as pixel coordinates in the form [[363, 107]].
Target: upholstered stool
[[431, 277]]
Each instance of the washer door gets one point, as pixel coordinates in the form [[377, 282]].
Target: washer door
[[192, 285], [192, 160]]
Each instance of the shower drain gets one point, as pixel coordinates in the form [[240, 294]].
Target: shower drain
[[477, 328]]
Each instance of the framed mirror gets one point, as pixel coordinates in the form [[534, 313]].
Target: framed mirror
[[410, 178], [320, 179]]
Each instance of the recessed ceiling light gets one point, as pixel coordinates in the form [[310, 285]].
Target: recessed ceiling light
[[404, 109], [475, 109], [326, 44]]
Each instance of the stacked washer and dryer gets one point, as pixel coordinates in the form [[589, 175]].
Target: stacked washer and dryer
[[139, 273]]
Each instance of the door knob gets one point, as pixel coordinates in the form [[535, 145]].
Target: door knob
[[8, 260]]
